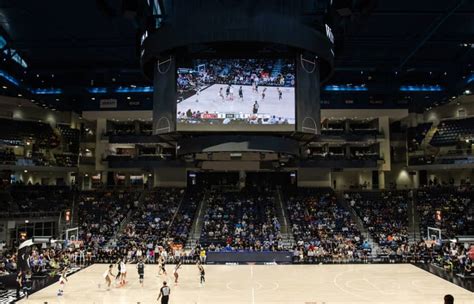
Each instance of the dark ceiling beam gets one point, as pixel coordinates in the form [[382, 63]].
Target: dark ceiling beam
[[396, 40], [64, 44], [415, 13], [430, 33], [348, 63]]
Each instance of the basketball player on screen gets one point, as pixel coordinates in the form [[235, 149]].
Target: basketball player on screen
[[255, 107], [231, 93], [227, 92], [221, 94], [198, 90]]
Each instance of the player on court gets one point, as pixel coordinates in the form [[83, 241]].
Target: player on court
[[161, 265], [202, 273], [221, 94], [123, 272], [280, 93], [197, 94], [108, 275], [117, 277], [231, 93], [141, 271], [62, 282], [164, 293], [175, 272], [241, 94], [263, 93], [255, 107]]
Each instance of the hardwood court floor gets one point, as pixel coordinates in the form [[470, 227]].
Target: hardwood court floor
[[303, 284]]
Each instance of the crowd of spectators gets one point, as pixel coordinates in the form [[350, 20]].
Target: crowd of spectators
[[239, 72], [384, 214], [322, 229], [147, 229], [7, 157], [38, 265], [44, 135], [243, 220], [447, 208], [324, 232], [102, 212], [38, 144], [159, 227], [38, 198], [453, 257]]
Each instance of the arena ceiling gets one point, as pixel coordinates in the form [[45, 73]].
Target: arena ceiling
[[382, 45]]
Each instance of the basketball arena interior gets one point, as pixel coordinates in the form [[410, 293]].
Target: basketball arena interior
[[237, 151]]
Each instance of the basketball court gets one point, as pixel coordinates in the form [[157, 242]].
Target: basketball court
[[209, 100], [302, 284]]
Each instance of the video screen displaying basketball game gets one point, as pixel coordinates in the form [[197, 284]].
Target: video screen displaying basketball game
[[236, 94]]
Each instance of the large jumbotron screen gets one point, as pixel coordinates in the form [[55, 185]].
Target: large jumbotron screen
[[236, 95]]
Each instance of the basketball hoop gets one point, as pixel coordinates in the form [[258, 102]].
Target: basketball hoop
[[159, 64], [303, 61]]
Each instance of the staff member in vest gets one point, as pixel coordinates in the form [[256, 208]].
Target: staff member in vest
[[164, 293]]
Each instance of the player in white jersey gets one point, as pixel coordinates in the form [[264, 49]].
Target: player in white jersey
[[198, 90], [108, 276], [62, 282], [231, 93], [161, 265], [175, 272]]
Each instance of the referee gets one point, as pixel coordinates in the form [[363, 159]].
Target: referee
[[164, 293]]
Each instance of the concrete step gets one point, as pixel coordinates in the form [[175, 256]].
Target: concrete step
[[195, 233]]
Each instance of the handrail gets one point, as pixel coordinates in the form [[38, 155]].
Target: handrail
[[175, 214]]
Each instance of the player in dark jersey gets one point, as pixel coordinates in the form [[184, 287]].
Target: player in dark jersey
[[202, 273], [263, 93], [280, 93], [141, 271], [119, 273], [241, 94], [221, 95], [255, 107]]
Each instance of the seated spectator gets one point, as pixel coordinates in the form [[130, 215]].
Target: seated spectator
[[241, 221], [323, 230], [384, 214]]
